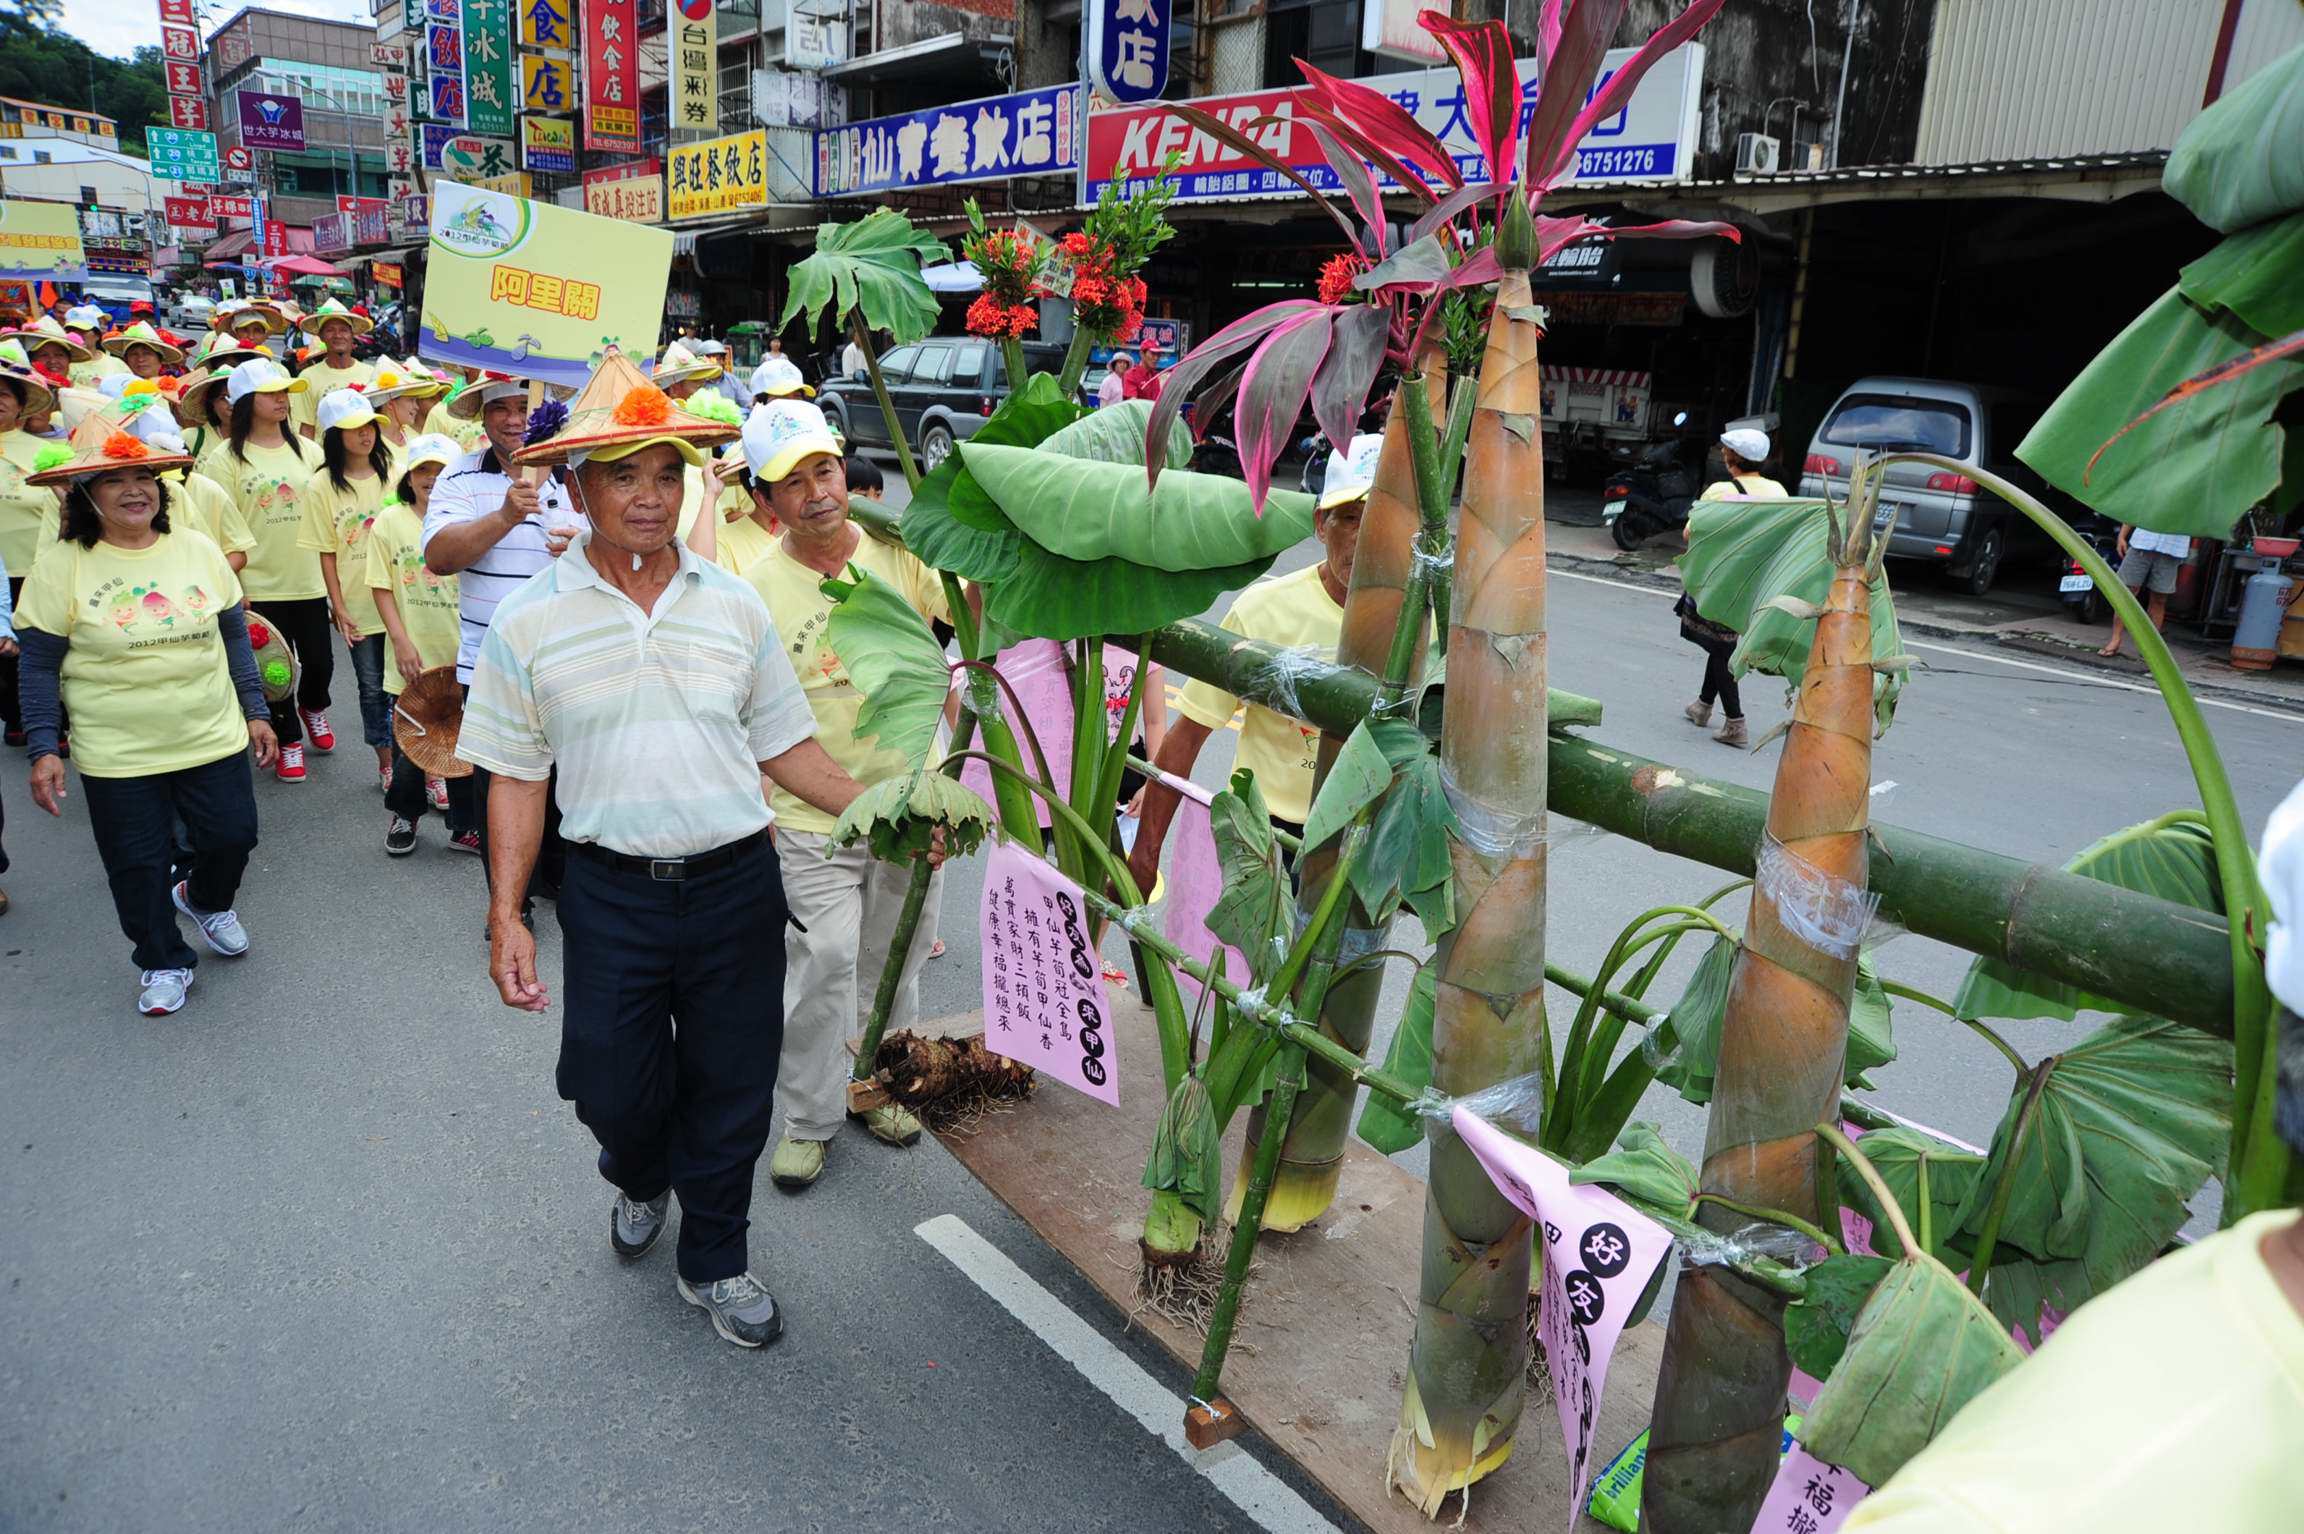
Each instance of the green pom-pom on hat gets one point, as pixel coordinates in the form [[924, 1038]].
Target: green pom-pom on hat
[[54, 455], [713, 407]]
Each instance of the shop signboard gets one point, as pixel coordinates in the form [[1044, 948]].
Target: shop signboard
[[488, 105], [545, 23], [692, 46], [331, 234], [547, 84], [189, 213], [635, 199], [1027, 133], [721, 175], [188, 112], [611, 31], [548, 144], [271, 119], [1127, 48], [231, 205], [466, 155]]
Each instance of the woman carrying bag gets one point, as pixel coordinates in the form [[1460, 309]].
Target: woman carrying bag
[[137, 628], [1743, 451]]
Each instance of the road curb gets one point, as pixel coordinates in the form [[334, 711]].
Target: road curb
[[2046, 647]]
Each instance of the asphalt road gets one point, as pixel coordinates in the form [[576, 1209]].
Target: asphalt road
[[326, 1251]]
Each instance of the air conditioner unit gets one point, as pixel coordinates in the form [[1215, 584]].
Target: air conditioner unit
[[1757, 154]]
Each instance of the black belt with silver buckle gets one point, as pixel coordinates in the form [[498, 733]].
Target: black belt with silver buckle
[[671, 870]]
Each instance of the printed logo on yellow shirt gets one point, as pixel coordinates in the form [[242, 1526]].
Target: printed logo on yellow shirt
[[144, 610]]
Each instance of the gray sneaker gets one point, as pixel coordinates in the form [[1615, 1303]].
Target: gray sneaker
[[633, 1226], [741, 1309], [164, 991], [220, 930]]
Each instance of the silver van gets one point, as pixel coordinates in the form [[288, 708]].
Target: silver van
[[1941, 516]]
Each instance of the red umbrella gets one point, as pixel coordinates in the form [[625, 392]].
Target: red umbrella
[[303, 266]]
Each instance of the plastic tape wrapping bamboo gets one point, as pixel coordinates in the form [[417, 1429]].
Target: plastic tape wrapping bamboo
[[1492, 832], [1824, 911], [1773, 1243]]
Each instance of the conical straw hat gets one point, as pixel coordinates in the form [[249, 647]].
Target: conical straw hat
[[427, 721], [618, 411]]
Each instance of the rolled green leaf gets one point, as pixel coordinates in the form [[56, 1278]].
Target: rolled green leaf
[[1646, 1167], [1089, 511]]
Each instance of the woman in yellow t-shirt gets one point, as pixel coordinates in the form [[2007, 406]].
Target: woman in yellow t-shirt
[[25, 509], [340, 507], [268, 470], [136, 627], [418, 609]]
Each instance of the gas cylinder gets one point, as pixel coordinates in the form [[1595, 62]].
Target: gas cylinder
[[2256, 639]]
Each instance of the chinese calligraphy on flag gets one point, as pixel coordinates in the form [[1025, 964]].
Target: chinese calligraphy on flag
[[694, 45], [611, 31]]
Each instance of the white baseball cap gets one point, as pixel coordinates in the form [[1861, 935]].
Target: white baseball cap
[[781, 432], [86, 317], [1352, 472], [779, 378], [432, 447], [342, 410], [1747, 443], [260, 375]]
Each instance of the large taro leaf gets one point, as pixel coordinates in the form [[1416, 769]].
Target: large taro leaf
[[1034, 416], [1089, 511], [1050, 597], [1922, 1348], [950, 522], [1908, 1160], [1644, 1166], [1113, 434], [1816, 1326], [1743, 554], [898, 667], [1695, 1021], [872, 265], [1390, 1126], [1254, 904], [2131, 1122], [2168, 857]]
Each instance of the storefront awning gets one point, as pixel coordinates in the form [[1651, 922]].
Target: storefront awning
[[930, 58], [2071, 178]]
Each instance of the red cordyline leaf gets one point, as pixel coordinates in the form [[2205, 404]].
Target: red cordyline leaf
[[1310, 108], [1548, 32], [2222, 373], [1556, 234], [1568, 74], [1382, 121], [1348, 372], [1197, 363], [1224, 133], [1352, 174], [1611, 97], [1483, 55], [1273, 391]]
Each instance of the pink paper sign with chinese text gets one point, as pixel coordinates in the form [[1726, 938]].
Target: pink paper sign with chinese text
[[1040, 673], [1194, 881], [1808, 1496], [1044, 998], [1598, 1254]]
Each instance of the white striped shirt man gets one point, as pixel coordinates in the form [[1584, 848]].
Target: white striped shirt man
[[468, 489]]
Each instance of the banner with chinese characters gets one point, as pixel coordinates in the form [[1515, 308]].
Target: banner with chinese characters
[[633, 192], [488, 67], [399, 143], [547, 84], [1029, 133], [444, 68], [189, 213], [40, 241], [611, 74], [548, 144], [1044, 1000], [385, 274], [545, 23], [721, 175], [1127, 48], [271, 119], [692, 43], [231, 205], [536, 290], [180, 62], [467, 156]]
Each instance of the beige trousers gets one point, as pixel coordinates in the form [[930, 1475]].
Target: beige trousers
[[849, 902]]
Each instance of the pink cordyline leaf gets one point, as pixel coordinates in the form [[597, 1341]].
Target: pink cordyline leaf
[[1224, 133], [1348, 372], [1311, 107], [1449, 208], [1610, 98], [1177, 386], [1272, 394], [1548, 32], [2222, 372], [1568, 74], [1556, 234], [1383, 121], [1483, 55], [1352, 174]]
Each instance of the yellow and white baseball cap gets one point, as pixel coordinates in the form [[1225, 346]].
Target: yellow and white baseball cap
[[779, 378], [343, 410], [260, 375], [780, 433], [1352, 472], [432, 447]]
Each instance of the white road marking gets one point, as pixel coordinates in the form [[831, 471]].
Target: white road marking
[[2064, 672], [1255, 1490]]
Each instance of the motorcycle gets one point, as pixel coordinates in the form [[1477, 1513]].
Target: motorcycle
[[1653, 496], [2076, 587]]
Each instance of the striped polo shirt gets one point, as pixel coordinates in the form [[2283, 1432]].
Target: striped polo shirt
[[657, 721], [474, 486]]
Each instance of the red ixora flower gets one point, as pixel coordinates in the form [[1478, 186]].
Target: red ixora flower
[[1336, 274], [987, 316]]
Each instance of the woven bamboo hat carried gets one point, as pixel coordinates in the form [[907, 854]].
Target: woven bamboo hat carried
[[427, 720], [44, 331], [467, 403], [142, 334], [275, 662], [101, 444], [679, 364], [617, 413], [231, 317], [404, 380]]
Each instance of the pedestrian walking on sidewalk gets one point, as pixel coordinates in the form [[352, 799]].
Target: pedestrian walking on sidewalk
[[1743, 451], [137, 628], [2149, 565], [655, 683]]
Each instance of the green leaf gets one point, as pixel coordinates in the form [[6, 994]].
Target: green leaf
[[1358, 775], [944, 542], [1643, 1166], [1253, 907], [1050, 597], [1389, 1126], [1087, 511], [889, 653], [1922, 1348], [2170, 857], [1034, 416], [2133, 1120], [1902, 1157], [871, 265], [1743, 554], [1407, 853], [1187, 1149], [1817, 1325], [1114, 434], [899, 815], [1695, 1019]]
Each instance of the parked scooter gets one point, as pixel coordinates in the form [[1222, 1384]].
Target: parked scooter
[[2076, 586], [1653, 496]]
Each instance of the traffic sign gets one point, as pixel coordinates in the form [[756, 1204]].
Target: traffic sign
[[181, 154]]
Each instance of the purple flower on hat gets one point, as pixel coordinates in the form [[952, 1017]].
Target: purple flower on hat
[[544, 421]]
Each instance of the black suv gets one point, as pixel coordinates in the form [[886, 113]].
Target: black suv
[[943, 389]]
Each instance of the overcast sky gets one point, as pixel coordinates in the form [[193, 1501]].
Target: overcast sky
[[120, 27]]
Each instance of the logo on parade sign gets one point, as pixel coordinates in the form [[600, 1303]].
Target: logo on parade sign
[[1652, 139], [271, 121], [1128, 48], [1029, 133], [481, 223]]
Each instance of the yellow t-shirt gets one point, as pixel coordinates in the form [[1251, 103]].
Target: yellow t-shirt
[[427, 602], [466, 432], [145, 679], [319, 379], [2175, 1401], [28, 513], [790, 588], [1295, 612], [337, 522], [205, 505], [1758, 485], [102, 365], [269, 488], [743, 544]]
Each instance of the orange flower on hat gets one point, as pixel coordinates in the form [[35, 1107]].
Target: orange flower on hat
[[121, 445], [644, 406]]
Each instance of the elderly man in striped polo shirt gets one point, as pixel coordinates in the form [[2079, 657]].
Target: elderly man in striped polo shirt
[[655, 684]]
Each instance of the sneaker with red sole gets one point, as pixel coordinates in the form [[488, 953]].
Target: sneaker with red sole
[[436, 790], [465, 841], [290, 767], [317, 734]]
